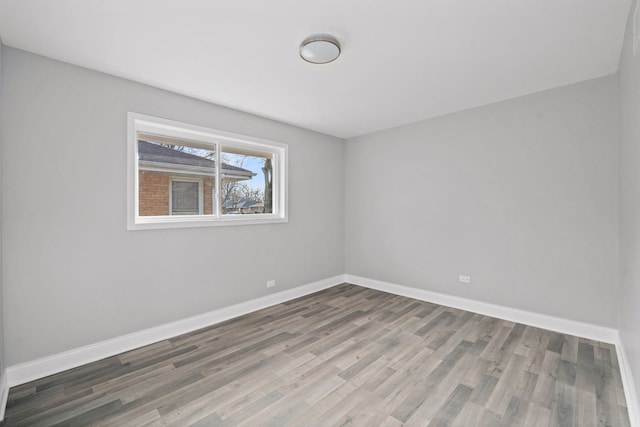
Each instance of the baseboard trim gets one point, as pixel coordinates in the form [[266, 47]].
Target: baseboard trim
[[4, 394], [633, 404], [558, 324], [565, 326], [49, 365], [40, 368]]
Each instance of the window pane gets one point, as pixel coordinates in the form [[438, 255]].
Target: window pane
[[247, 182], [166, 165], [185, 198]]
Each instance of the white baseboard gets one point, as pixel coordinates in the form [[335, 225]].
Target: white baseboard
[[633, 404], [49, 365], [4, 394], [558, 324], [565, 326], [40, 368]]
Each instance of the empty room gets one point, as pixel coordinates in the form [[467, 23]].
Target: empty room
[[338, 213]]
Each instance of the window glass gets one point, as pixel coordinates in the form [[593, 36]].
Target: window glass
[[247, 182], [159, 163], [185, 197]]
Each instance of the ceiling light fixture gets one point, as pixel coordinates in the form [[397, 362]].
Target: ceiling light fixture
[[320, 49]]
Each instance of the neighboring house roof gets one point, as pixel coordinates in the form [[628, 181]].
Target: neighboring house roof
[[150, 152], [242, 204]]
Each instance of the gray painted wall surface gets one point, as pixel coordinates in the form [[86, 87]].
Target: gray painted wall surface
[[629, 296], [75, 275], [520, 195]]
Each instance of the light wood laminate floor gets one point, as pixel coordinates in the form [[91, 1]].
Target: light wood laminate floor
[[345, 356]]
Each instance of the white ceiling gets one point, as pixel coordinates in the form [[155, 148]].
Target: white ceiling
[[402, 61]]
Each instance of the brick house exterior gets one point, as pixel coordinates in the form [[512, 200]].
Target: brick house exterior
[[154, 194], [159, 167]]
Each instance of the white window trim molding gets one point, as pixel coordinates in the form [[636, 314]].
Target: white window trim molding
[[213, 138]]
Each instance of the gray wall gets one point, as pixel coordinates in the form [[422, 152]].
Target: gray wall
[[75, 275], [629, 297], [520, 195]]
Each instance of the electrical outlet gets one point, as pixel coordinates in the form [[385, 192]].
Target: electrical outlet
[[464, 279], [271, 283]]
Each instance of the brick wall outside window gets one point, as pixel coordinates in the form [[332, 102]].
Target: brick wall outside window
[[207, 184], [153, 190]]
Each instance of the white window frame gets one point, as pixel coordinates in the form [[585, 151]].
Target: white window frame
[[173, 179], [215, 139]]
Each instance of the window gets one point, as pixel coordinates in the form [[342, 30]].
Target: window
[[174, 179], [186, 198]]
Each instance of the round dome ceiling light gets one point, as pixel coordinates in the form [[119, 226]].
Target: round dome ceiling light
[[320, 49]]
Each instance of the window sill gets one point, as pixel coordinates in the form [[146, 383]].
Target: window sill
[[169, 222]]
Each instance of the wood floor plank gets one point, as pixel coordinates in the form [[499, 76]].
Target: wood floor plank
[[562, 407], [314, 414], [584, 413], [346, 355], [516, 412], [538, 416]]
